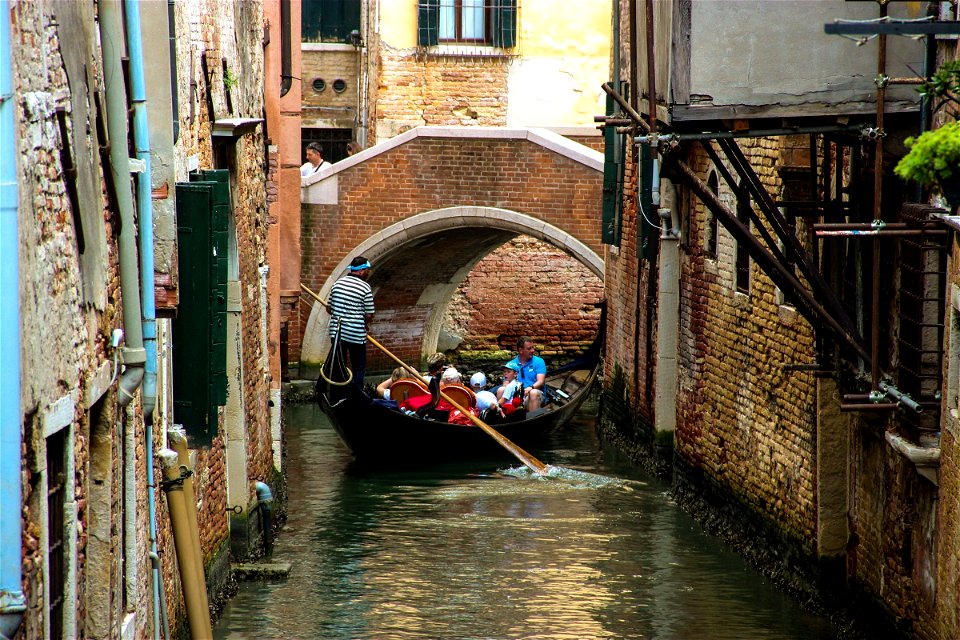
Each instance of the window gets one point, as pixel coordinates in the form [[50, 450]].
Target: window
[[56, 538], [329, 20], [332, 141], [478, 22]]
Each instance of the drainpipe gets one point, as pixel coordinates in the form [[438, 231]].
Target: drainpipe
[[141, 136], [111, 39], [12, 602], [286, 57], [198, 616]]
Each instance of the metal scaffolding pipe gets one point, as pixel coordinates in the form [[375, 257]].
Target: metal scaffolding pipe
[[889, 406], [782, 277], [762, 133], [891, 233]]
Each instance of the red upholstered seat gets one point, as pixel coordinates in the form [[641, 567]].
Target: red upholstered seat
[[407, 388], [462, 395]]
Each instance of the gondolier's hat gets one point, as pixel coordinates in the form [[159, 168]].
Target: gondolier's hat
[[513, 366], [359, 264]]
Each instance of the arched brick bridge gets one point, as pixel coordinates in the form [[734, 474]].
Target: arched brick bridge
[[426, 206]]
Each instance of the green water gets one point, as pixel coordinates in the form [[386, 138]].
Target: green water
[[488, 550]]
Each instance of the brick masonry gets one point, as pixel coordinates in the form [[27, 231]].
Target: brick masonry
[[526, 286]]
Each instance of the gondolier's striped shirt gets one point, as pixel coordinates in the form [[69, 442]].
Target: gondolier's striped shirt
[[350, 299]]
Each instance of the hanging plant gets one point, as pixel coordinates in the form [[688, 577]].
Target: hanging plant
[[934, 158]]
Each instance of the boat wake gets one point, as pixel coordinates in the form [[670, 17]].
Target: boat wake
[[575, 477]]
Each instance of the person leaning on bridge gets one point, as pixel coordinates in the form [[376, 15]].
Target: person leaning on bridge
[[350, 304], [533, 373], [315, 160]]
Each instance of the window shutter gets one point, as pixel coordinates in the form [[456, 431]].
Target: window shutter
[[218, 302], [505, 23], [200, 328], [428, 22], [192, 391], [612, 179]]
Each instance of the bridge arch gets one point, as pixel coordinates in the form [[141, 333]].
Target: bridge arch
[[411, 301], [429, 205]]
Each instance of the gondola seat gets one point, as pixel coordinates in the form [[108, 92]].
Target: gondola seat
[[461, 395], [407, 388]]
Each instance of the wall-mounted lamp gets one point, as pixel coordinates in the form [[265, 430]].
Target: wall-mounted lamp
[[355, 39]]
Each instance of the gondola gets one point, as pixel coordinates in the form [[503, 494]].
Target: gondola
[[375, 432]]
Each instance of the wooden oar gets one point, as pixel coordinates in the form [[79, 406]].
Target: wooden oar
[[518, 453]]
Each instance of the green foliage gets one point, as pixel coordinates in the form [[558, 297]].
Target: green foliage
[[229, 80], [943, 87], [934, 156]]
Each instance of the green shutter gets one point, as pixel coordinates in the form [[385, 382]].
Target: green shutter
[[192, 389], [648, 235], [428, 23], [612, 181], [200, 328], [504, 17], [218, 303]]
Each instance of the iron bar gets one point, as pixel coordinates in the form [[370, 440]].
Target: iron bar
[[765, 133], [782, 277], [888, 406], [876, 232], [877, 210], [946, 27], [630, 111], [739, 191], [795, 250], [823, 226]]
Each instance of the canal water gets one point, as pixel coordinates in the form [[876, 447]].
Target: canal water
[[485, 550]]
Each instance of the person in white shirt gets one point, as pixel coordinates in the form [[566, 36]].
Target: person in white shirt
[[315, 160]]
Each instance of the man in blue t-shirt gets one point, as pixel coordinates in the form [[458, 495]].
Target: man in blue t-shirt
[[533, 373]]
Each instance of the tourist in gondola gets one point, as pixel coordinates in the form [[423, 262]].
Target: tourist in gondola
[[383, 389], [509, 393], [532, 373]]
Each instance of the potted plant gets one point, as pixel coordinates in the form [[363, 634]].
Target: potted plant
[[934, 156], [934, 159]]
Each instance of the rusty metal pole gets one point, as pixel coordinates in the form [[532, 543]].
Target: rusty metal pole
[[653, 264], [877, 204]]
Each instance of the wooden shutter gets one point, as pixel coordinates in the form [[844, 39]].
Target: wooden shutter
[[612, 183], [199, 330], [428, 23]]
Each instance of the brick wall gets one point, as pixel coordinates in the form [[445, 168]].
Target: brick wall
[[527, 286], [327, 108], [233, 32], [439, 91]]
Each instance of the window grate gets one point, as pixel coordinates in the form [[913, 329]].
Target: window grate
[[474, 22], [920, 337]]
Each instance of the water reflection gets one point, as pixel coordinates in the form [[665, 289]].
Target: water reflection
[[480, 550]]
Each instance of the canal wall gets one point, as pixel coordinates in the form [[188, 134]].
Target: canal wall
[[756, 443]]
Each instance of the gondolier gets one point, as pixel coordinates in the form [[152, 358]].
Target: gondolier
[[350, 304]]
